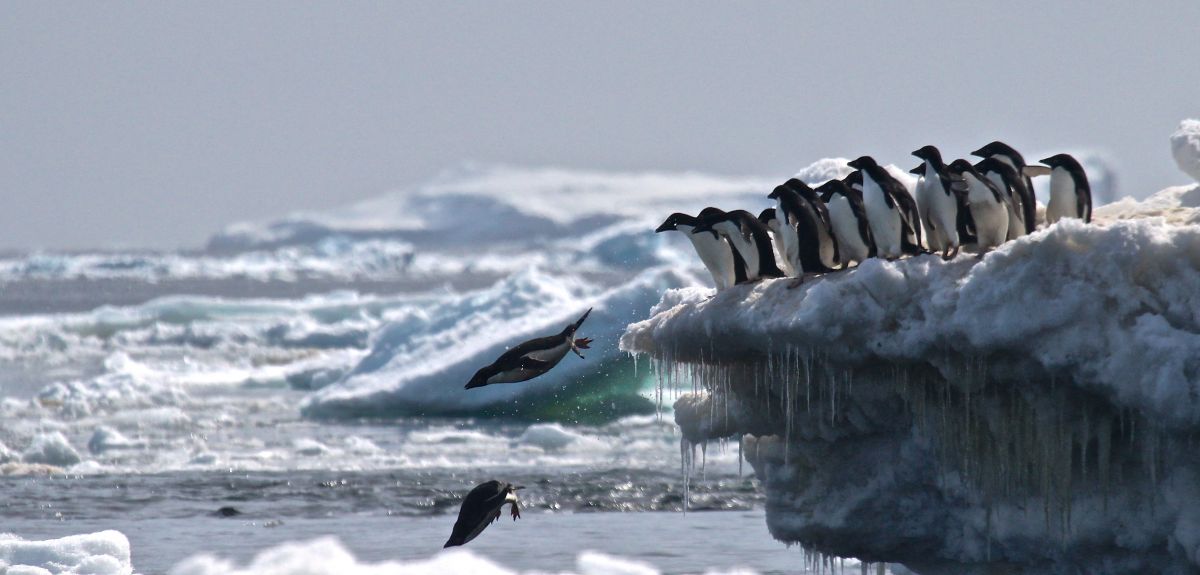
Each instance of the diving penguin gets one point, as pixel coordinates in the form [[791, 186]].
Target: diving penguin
[[1070, 193], [480, 508], [749, 237], [1012, 184], [989, 205], [1009, 155], [718, 256], [532, 358], [851, 229], [895, 223]]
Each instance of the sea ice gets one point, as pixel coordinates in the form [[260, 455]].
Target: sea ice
[[103, 553]]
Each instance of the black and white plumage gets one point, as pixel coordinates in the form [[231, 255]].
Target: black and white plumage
[[803, 221], [1070, 193], [723, 262], [891, 210], [1009, 155], [989, 205], [480, 508], [749, 237], [848, 216], [1020, 198], [943, 206], [532, 358]]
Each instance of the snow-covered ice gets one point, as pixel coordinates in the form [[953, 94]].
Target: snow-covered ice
[[1185, 146], [104, 553]]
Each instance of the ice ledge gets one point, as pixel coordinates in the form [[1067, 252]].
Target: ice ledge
[[1113, 308]]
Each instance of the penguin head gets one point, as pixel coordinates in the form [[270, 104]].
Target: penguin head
[[706, 226], [828, 189], [930, 153], [778, 192], [479, 379], [991, 164], [920, 169], [673, 221], [1062, 160], [854, 177], [999, 148], [862, 162], [710, 212], [767, 216]]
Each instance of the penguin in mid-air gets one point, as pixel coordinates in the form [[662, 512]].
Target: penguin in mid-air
[[722, 261], [749, 237], [1013, 185], [891, 210], [1007, 154], [943, 207], [989, 205], [532, 358], [480, 508], [848, 216], [1070, 193], [806, 227]]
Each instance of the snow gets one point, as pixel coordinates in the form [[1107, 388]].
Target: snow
[[103, 553], [51, 449], [1185, 146]]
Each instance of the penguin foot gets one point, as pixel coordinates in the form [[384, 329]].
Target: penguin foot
[[796, 283], [583, 342], [516, 511]]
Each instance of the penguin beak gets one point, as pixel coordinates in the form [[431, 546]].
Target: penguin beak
[[918, 170], [665, 227], [978, 153], [518, 487]]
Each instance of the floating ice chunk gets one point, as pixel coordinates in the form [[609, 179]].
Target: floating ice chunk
[[6, 454], [106, 438], [103, 553], [311, 447], [51, 449], [361, 445], [1185, 145]]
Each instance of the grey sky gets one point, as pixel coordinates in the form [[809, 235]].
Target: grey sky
[[155, 124]]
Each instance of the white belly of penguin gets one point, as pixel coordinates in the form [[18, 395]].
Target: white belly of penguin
[[552, 355], [787, 245], [991, 217], [1016, 225], [746, 248], [943, 212], [715, 254], [884, 220], [1063, 203], [845, 227], [925, 199]]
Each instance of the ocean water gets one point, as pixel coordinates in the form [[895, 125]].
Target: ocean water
[[309, 374]]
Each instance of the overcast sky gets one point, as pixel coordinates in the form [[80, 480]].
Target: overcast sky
[[157, 123]]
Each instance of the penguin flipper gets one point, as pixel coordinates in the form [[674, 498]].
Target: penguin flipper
[[534, 364], [1035, 171]]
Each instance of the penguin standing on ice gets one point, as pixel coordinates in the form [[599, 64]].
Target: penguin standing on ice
[[848, 216], [718, 256], [1070, 193], [895, 223], [532, 358], [749, 237], [800, 220], [770, 218], [1013, 185], [480, 508], [943, 208], [989, 205], [1007, 154]]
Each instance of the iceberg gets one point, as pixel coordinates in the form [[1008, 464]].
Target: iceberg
[[1032, 409]]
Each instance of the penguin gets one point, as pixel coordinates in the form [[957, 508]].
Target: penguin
[[891, 211], [532, 358], [989, 205], [828, 246], [716, 253], [749, 237], [943, 208], [481, 507], [769, 218], [848, 216], [1013, 185], [1014, 159], [798, 218], [854, 180], [1070, 193]]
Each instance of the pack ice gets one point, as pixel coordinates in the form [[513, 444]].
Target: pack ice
[[1035, 410]]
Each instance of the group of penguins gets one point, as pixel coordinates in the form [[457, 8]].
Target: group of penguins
[[867, 214], [870, 213]]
